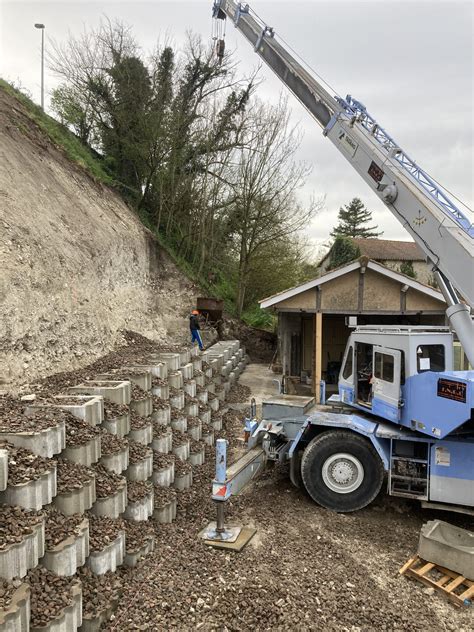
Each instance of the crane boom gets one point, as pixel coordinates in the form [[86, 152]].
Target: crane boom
[[438, 226]]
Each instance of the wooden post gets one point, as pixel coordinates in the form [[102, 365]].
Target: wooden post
[[318, 354]]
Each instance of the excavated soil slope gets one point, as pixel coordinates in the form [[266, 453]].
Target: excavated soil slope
[[76, 265]]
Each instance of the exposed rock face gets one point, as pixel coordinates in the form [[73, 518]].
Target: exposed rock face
[[76, 265]]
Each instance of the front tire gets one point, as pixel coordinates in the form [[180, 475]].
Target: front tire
[[341, 471]]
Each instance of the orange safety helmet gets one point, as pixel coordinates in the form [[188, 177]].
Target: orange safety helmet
[[195, 312]]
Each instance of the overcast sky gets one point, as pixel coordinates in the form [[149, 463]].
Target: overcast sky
[[410, 62]]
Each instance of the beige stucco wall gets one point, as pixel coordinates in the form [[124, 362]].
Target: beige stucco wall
[[341, 293], [305, 300]]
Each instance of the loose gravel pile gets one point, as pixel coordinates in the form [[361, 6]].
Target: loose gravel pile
[[103, 531], [14, 419], [138, 490], [238, 394], [16, 523], [106, 482], [163, 495], [24, 466], [49, 595], [162, 461], [137, 452], [137, 534], [137, 422], [71, 476], [111, 444], [79, 432], [59, 527], [6, 592], [99, 592], [113, 410]]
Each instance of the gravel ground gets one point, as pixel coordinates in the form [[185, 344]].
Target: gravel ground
[[98, 591], [305, 569], [137, 533]]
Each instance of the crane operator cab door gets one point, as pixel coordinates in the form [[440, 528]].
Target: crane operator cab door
[[385, 382]]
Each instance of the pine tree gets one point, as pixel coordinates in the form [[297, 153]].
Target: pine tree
[[352, 219]]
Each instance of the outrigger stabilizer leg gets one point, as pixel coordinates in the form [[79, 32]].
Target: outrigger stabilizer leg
[[230, 482]]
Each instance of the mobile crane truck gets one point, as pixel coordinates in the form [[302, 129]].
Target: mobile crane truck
[[416, 422]]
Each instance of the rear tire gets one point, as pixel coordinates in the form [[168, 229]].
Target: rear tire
[[341, 471]]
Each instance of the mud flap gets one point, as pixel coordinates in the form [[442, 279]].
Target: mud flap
[[295, 468]]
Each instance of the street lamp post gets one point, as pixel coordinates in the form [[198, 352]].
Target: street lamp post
[[42, 27]]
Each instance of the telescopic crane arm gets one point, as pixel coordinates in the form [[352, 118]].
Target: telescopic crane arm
[[438, 226]]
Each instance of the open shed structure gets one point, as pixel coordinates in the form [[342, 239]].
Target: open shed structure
[[313, 318]]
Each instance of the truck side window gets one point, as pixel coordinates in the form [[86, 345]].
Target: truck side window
[[430, 358], [347, 372], [384, 367]]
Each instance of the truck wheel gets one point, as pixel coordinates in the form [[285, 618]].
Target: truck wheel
[[341, 471]]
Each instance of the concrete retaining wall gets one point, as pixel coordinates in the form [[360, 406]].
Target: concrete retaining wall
[[117, 462], [141, 510], [90, 408], [44, 442], [111, 506], [140, 471], [109, 558], [179, 423], [172, 360], [162, 391], [167, 513], [133, 557], [3, 470], [163, 444], [76, 501], [143, 407], [197, 458], [118, 391], [16, 618], [33, 494], [85, 454], [17, 559], [164, 477], [142, 435], [70, 554], [119, 426], [162, 415], [184, 481]]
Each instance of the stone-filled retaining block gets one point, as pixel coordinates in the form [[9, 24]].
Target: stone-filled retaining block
[[119, 426], [143, 407], [84, 454], [221, 393], [89, 408], [141, 379], [183, 481], [214, 404], [17, 558], [133, 557], [190, 388], [118, 391], [116, 462], [162, 391], [197, 458], [200, 380], [216, 424], [172, 360], [448, 546], [197, 364], [167, 512], [177, 401], [211, 387], [142, 435], [184, 357], [226, 386], [32, 494], [191, 409], [181, 451], [217, 381], [157, 369], [140, 471], [164, 477], [205, 416], [111, 506], [16, 617], [70, 618], [94, 624], [187, 371], [70, 554], [43, 443], [175, 379], [3, 469], [203, 396], [208, 438], [141, 510], [109, 558], [195, 430], [77, 500], [164, 443], [162, 416], [179, 423]]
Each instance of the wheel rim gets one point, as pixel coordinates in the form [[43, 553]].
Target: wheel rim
[[343, 473]]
